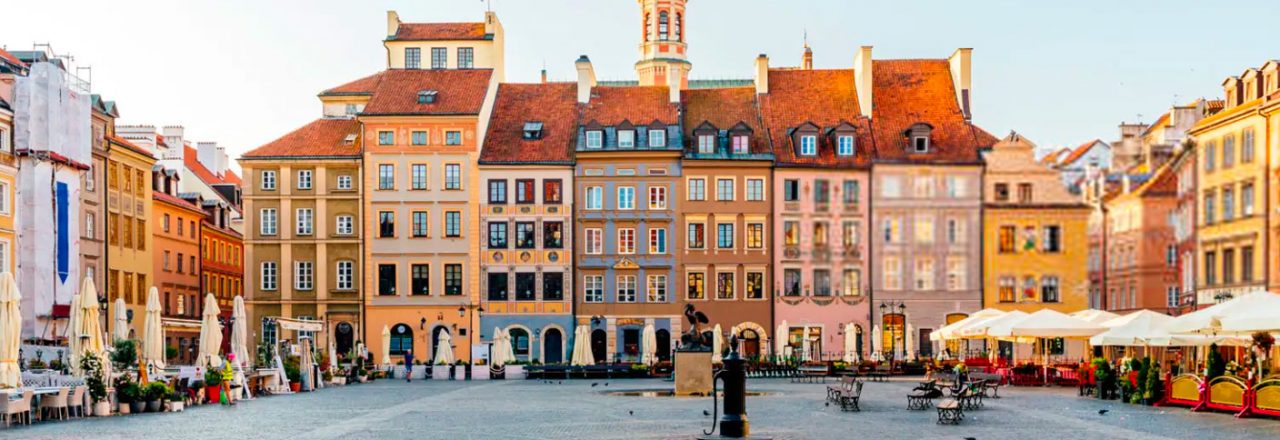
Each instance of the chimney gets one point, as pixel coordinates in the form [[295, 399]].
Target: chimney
[[393, 23], [222, 161], [862, 80], [207, 155], [961, 75], [762, 74], [807, 59], [174, 137], [673, 84], [586, 79], [544, 76]]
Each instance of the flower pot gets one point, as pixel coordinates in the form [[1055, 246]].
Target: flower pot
[[176, 406], [124, 408], [211, 393], [339, 380], [295, 386], [137, 407], [102, 409], [364, 379], [153, 406]]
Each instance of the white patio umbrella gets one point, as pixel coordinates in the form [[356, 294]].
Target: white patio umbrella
[[876, 341], [1146, 328], [1045, 323], [1094, 315], [780, 339], [210, 333], [88, 330], [444, 350], [717, 343], [385, 355], [805, 345], [73, 325], [153, 331], [850, 349], [240, 332], [979, 329], [951, 331], [649, 338], [1210, 320], [908, 343], [121, 326], [497, 355], [582, 355], [10, 332], [1262, 316]]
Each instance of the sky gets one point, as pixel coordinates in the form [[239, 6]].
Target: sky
[[244, 72]]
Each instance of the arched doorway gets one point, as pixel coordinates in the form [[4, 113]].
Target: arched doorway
[[435, 339], [401, 340], [894, 331], [598, 345], [519, 342], [343, 338], [663, 341], [750, 343], [552, 346]]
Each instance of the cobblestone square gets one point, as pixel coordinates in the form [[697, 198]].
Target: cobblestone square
[[575, 409]]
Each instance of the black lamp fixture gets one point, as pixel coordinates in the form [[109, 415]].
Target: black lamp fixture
[[422, 325], [462, 311]]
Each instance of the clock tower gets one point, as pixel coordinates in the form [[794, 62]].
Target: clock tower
[[663, 51]]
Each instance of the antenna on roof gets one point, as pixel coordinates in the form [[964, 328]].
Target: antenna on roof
[[806, 37], [488, 5]]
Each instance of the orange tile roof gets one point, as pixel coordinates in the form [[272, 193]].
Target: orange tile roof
[[440, 31], [555, 105], [725, 108], [175, 201], [1079, 151], [191, 160], [459, 92], [362, 86], [1052, 158], [908, 92], [641, 105], [12, 59], [826, 98], [320, 138]]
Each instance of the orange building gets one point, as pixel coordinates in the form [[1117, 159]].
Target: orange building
[[177, 264], [221, 253]]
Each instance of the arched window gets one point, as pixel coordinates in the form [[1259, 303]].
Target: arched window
[[663, 21], [679, 27], [519, 341], [401, 339], [648, 22]]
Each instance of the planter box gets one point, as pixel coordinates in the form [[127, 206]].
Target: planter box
[[339, 380], [514, 372], [479, 372], [102, 409], [440, 372], [176, 406]]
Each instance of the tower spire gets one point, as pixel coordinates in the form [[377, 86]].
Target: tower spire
[[663, 50]]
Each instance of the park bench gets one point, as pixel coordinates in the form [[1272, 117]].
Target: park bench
[[810, 374], [991, 383], [922, 396], [834, 391], [950, 412], [970, 395], [847, 396]]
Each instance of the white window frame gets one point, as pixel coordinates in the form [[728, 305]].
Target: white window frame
[[697, 191], [595, 139], [593, 288], [658, 241], [844, 145], [657, 197], [755, 190], [625, 288], [626, 247], [345, 225], [345, 270], [626, 139], [808, 145], [656, 289], [706, 144], [304, 179], [4, 198], [593, 241], [657, 138], [267, 223], [630, 199], [268, 180], [595, 198], [269, 274], [732, 190], [304, 275], [305, 221], [344, 182]]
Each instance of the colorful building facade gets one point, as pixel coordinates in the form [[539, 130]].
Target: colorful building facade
[[129, 236], [177, 262]]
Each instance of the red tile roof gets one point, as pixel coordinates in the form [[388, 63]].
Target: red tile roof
[[826, 98], [122, 142], [555, 105], [440, 31], [725, 108], [459, 92], [641, 105], [362, 86], [191, 160], [12, 59], [175, 201], [908, 92], [320, 138], [1079, 151]]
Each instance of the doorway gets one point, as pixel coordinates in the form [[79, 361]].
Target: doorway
[[599, 345], [552, 347], [750, 344], [663, 341], [631, 344]]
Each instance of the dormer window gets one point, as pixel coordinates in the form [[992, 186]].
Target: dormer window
[[427, 97], [595, 139], [741, 144], [350, 139], [920, 144], [657, 138], [532, 130], [706, 144], [626, 138], [919, 137], [844, 145], [808, 145]]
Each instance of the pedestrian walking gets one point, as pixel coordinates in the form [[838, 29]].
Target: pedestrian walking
[[408, 365]]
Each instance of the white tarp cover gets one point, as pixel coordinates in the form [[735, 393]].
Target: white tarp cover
[[50, 116]]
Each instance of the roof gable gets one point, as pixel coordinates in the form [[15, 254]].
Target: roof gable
[[459, 92], [553, 105], [913, 92]]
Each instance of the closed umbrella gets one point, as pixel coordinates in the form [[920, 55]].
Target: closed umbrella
[[717, 344], [122, 320], [386, 346], [908, 344], [876, 342], [650, 340], [153, 331], [333, 355], [850, 350], [239, 332], [805, 345], [780, 340], [210, 333], [582, 348], [501, 342], [444, 349], [88, 330], [10, 332], [73, 324]]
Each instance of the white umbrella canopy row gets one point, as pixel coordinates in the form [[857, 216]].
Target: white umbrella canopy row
[[951, 331], [1241, 316], [10, 331], [1095, 316], [240, 333], [153, 349], [1146, 328], [210, 333]]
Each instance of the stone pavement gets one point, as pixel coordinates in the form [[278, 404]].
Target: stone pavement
[[536, 410]]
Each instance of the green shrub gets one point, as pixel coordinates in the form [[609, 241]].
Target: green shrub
[[156, 391], [1155, 387], [92, 368], [292, 369], [1215, 366], [212, 378], [125, 354], [129, 393]]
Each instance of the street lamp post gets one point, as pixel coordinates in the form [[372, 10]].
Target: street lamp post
[[471, 334]]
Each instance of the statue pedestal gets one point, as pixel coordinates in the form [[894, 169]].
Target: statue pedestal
[[693, 373]]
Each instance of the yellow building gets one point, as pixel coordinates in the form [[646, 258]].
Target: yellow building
[[129, 239], [8, 185], [1231, 181], [1271, 110], [1035, 234]]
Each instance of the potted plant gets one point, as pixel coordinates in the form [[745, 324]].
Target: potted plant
[[136, 397], [362, 374], [479, 370], [124, 355], [212, 386], [156, 393], [92, 368], [293, 373], [513, 371], [176, 401]]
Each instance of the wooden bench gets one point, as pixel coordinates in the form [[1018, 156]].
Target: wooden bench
[[991, 383], [810, 375], [950, 412], [848, 399], [970, 395], [845, 385], [922, 396]]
